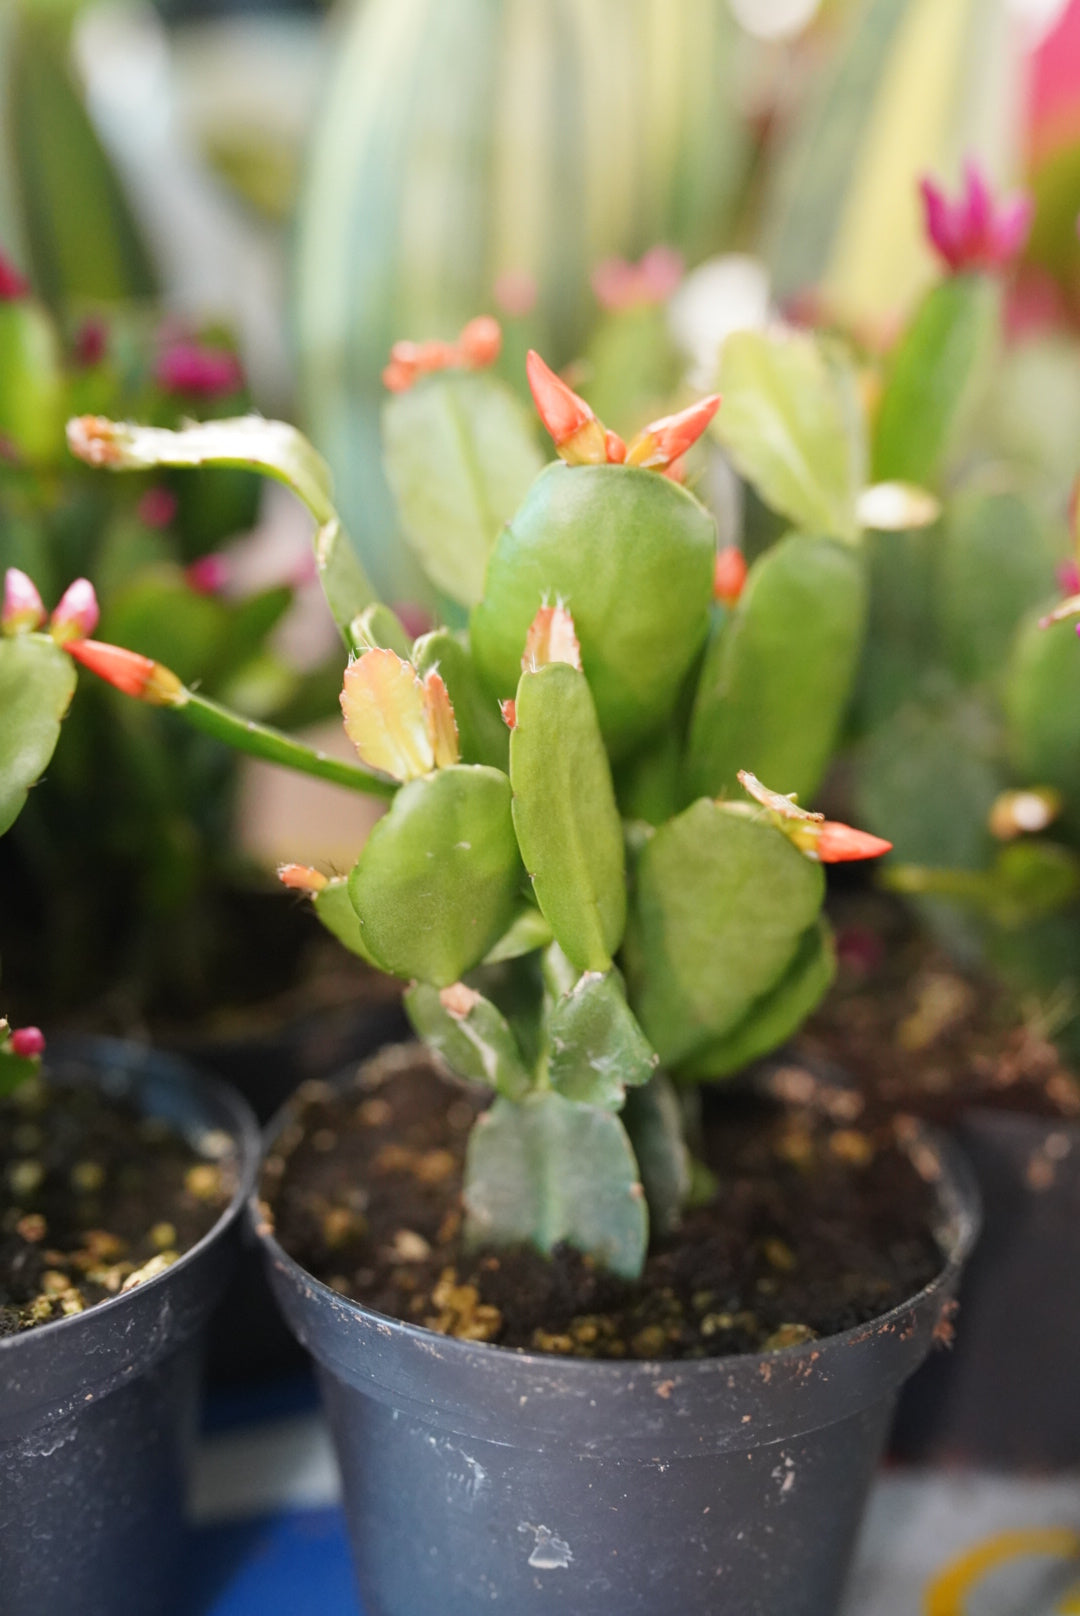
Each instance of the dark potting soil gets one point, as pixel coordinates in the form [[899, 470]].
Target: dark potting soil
[[920, 1036], [816, 1225], [95, 1198]]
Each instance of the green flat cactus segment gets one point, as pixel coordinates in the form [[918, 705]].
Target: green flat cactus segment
[[528, 932], [482, 734], [790, 425], [567, 823], [479, 1046], [776, 1016], [334, 909], [437, 882], [596, 1050], [997, 562], [778, 675], [720, 907], [653, 1118], [379, 628], [460, 453], [37, 681], [549, 1171], [938, 374], [1042, 705], [631, 554]]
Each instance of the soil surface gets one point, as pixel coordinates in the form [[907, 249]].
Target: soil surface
[[920, 1036], [818, 1224], [95, 1198]]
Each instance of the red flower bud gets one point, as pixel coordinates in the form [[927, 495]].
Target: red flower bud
[[509, 713], [577, 434], [301, 878], [128, 671], [480, 342], [22, 611], [77, 614], [614, 447], [729, 575], [664, 441], [835, 843], [27, 1042]]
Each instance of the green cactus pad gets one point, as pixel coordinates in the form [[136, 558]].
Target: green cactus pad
[[776, 680], [482, 734], [631, 554], [37, 680], [596, 1050], [479, 1046], [776, 1016], [720, 908], [1042, 704], [567, 823], [997, 561], [460, 452], [334, 909], [548, 1171], [653, 1118], [379, 628], [436, 884]]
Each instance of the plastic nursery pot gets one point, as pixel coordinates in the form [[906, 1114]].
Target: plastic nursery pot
[[1006, 1395], [96, 1410], [476, 1476]]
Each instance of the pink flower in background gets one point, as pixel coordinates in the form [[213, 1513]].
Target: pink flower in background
[[91, 341], [516, 292], [157, 507], [12, 284], [76, 616], [1068, 577], [27, 1042], [414, 619], [974, 231], [619, 284], [209, 575], [200, 371]]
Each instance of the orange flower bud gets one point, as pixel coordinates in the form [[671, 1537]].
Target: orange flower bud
[[301, 878], [509, 713], [480, 342], [833, 843], [442, 725], [128, 671], [614, 448], [577, 434], [666, 440], [729, 575]]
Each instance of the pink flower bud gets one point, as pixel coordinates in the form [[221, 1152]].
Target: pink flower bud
[[12, 284], [157, 507], [974, 232], [516, 292], [76, 617], [27, 1042], [22, 610], [619, 284], [198, 371]]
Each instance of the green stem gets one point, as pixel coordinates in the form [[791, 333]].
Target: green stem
[[274, 746]]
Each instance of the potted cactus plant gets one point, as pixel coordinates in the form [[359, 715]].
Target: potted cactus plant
[[124, 1177], [587, 933]]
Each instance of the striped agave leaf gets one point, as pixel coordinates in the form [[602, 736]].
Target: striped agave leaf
[[918, 85], [462, 142]]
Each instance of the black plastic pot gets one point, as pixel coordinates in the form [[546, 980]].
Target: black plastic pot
[[1008, 1394], [96, 1411], [477, 1477]]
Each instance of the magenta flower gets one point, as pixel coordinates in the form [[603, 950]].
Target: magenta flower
[[27, 1042], [974, 231], [157, 507], [22, 611], [91, 341], [76, 616], [209, 575], [12, 284], [199, 371]]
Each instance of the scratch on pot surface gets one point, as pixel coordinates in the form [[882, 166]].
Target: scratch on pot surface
[[784, 1473], [470, 1481], [550, 1552]]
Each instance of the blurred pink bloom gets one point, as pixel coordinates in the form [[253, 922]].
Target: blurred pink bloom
[[12, 284], [27, 1042], [1068, 577], [91, 341], [190, 367], [975, 232], [76, 616], [619, 284], [157, 507], [209, 575], [414, 619], [516, 292], [22, 611]]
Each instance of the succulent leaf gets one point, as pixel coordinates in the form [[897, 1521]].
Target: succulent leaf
[[527, 932], [596, 1050], [37, 682], [567, 823], [471, 1035], [334, 909], [653, 1118], [482, 735], [1042, 710], [386, 715], [437, 882], [549, 1171]]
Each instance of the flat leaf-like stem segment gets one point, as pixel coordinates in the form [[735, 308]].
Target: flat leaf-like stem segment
[[596, 1050], [436, 884], [333, 906], [939, 369], [779, 671], [36, 685], [792, 425], [477, 1043], [720, 906], [548, 1171], [631, 555], [460, 453], [653, 1119], [271, 447], [776, 1016], [567, 823], [482, 735]]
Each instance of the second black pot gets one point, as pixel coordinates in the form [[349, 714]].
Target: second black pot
[[1008, 1394], [97, 1411], [477, 1477]]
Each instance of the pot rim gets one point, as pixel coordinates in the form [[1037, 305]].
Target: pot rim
[[100, 1053], [958, 1222]]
